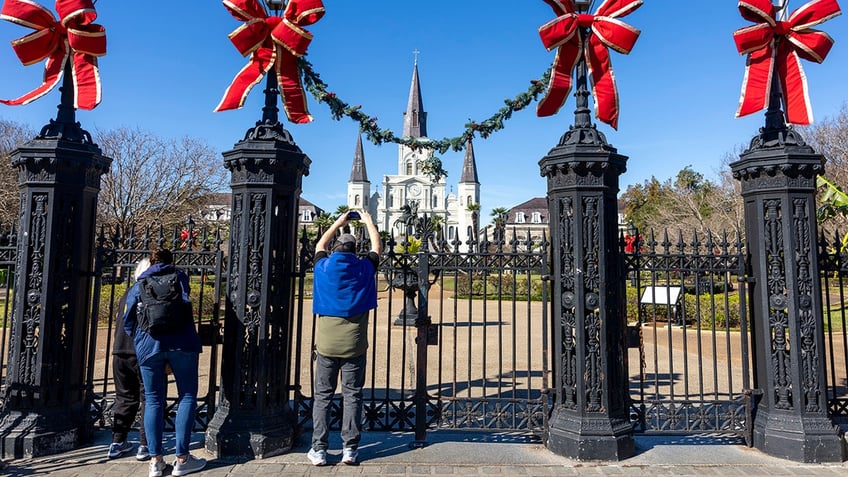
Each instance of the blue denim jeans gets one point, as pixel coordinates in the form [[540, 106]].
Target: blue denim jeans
[[327, 371], [184, 366]]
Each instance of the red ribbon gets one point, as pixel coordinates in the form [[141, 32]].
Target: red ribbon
[[772, 43], [74, 36], [272, 41], [606, 31]]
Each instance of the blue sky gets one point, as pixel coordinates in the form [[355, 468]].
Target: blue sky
[[167, 68]]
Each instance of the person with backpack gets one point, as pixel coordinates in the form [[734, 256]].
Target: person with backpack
[[129, 398], [158, 317]]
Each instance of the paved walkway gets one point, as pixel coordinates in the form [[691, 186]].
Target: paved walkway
[[452, 453]]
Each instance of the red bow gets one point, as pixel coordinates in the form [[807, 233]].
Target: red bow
[[276, 42], [607, 31], [75, 36], [771, 42]]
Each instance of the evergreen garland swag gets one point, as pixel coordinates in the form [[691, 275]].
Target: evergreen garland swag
[[432, 167]]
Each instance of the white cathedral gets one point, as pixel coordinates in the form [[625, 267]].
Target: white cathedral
[[413, 187]]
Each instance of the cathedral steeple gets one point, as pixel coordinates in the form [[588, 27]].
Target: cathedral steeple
[[357, 171], [415, 119], [469, 166]]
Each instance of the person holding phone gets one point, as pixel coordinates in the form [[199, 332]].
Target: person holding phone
[[344, 293]]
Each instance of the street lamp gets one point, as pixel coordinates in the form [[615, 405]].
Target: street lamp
[[275, 5], [582, 5]]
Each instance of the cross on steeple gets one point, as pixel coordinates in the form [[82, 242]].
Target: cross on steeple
[[415, 52]]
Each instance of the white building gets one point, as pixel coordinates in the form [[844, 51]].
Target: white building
[[411, 186]]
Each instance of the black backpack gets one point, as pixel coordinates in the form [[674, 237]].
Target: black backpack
[[161, 310]]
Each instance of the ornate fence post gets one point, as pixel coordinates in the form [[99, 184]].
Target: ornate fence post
[[253, 417], [46, 403], [590, 416], [778, 177]]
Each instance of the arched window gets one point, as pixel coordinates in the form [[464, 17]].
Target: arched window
[[451, 232], [356, 200], [469, 200], [391, 200], [409, 168], [434, 201]]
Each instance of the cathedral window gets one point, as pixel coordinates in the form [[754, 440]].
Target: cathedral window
[[391, 200], [356, 200], [469, 200], [451, 233], [409, 168]]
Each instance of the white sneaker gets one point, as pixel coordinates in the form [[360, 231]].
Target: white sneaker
[[191, 464], [317, 457], [349, 456], [157, 468], [143, 453]]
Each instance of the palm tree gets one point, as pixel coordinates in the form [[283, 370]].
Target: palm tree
[[499, 218]]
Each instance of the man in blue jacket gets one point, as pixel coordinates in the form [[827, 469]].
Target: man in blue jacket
[[344, 293]]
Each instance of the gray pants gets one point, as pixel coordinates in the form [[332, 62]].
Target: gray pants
[[327, 372]]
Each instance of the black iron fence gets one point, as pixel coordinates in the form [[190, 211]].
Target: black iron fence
[[8, 251], [469, 348], [833, 262]]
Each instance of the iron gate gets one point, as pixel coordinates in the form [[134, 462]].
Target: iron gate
[[458, 340], [196, 252], [688, 320]]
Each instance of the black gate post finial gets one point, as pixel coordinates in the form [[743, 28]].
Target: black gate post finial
[[590, 419]]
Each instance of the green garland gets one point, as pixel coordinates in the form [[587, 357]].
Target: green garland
[[433, 166]]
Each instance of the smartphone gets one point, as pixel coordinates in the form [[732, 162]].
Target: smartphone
[[353, 215]]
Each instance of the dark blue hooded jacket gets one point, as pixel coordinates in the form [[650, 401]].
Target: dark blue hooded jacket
[[146, 345]]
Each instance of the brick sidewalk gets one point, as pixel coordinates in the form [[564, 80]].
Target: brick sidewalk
[[451, 453]]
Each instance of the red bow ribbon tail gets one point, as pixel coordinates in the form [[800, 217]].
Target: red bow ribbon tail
[[560, 83], [294, 98], [53, 69], [799, 109], [756, 85], [608, 33], [292, 42], [561, 33], [260, 63]]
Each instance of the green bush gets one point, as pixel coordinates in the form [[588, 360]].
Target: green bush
[[708, 310], [712, 309], [502, 286]]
